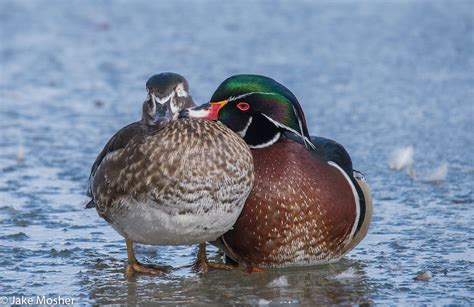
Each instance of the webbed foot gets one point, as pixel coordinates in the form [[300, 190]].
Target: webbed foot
[[202, 265], [150, 269], [135, 267]]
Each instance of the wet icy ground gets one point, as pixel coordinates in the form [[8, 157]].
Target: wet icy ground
[[375, 76]]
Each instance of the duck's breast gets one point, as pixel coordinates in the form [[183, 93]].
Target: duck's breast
[[301, 210], [184, 184]]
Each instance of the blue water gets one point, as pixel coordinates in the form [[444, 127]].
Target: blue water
[[373, 75]]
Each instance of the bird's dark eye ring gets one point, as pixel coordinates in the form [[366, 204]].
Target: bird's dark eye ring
[[243, 106]]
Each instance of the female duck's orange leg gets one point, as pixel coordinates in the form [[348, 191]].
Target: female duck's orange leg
[[134, 267], [202, 265], [254, 269]]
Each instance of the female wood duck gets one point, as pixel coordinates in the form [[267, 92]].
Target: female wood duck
[[168, 93], [181, 182], [308, 206]]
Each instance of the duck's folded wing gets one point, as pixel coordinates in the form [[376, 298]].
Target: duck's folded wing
[[330, 150], [334, 151], [118, 141]]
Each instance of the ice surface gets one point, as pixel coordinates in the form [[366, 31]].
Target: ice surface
[[372, 75], [281, 281]]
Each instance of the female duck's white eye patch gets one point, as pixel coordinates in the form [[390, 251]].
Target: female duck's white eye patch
[[243, 106], [180, 91]]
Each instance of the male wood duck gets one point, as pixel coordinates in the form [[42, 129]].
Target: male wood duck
[[181, 182], [308, 206]]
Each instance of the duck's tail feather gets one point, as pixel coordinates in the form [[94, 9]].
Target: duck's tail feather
[[90, 204]]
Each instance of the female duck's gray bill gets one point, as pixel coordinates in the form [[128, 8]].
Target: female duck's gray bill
[[161, 110], [183, 113]]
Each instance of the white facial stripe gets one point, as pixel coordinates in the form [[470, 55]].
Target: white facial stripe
[[162, 100], [301, 133], [198, 113], [300, 124], [356, 197], [249, 94], [180, 91], [244, 131], [305, 139], [271, 142], [174, 107]]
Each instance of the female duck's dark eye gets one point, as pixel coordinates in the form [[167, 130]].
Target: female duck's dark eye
[[243, 106]]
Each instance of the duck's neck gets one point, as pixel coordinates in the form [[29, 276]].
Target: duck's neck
[[149, 111], [261, 133]]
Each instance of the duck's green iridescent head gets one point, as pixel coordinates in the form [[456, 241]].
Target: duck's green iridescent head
[[258, 108]]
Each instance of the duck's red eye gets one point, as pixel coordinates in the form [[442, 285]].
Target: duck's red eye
[[243, 106]]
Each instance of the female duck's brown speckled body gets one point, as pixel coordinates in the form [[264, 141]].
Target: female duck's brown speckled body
[[183, 182], [308, 206]]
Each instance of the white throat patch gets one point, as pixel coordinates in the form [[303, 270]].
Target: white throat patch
[[162, 100], [244, 131], [306, 141]]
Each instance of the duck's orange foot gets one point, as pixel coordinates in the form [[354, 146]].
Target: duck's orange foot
[[204, 266], [149, 269], [254, 269]]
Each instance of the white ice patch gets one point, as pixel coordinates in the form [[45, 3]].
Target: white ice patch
[[402, 159], [263, 302], [436, 175], [20, 154], [350, 273], [279, 282]]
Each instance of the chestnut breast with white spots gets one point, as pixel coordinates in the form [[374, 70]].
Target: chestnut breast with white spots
[[301, 210]]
